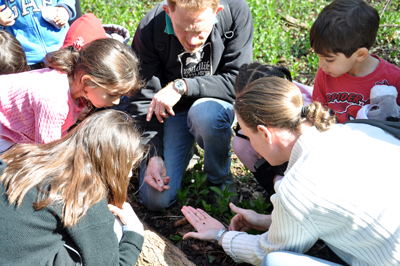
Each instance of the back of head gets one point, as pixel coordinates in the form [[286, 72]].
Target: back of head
[[278, 103], [91, 162], [12, 55], [255, 70], [108, 62], [196, 5], [344, 26]]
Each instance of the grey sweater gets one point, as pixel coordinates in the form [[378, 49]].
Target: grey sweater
[[30, 237]]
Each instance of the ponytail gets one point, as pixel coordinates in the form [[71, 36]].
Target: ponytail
[[63, 60], [320, 116]]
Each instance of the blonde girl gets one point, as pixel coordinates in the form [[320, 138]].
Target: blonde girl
[[54, 197]]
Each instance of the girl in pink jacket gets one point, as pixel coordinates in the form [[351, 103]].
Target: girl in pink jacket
[[41, 105]]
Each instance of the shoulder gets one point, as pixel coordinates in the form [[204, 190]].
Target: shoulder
[[239, 9], [383, 64]]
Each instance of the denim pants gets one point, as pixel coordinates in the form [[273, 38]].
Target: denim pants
[[207, 122], [287, 258]]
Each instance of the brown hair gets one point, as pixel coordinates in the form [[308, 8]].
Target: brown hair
[[109, 63], [91, 162], [344, 26], [276, 102], [12, 55], [198, 5]]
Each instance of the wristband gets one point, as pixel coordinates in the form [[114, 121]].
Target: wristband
[[220, 233]]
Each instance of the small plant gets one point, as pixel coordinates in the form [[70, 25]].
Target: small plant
[[223, 198], [176, 238]]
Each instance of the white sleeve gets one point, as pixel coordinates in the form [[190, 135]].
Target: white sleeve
[[285, 233]]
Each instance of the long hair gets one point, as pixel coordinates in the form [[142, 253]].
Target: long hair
[[109, 63], [276, 102], [91, 162], [12, 55]]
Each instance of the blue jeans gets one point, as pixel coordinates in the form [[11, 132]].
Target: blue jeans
[[287, 258], [207, 122]]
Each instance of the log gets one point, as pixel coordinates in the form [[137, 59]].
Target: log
[[158, 250]]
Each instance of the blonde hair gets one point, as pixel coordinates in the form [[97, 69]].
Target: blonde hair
[[276, 102], [109, 64], [91, 162], [197, 5]]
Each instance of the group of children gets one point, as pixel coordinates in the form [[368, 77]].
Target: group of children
[[78, 67]]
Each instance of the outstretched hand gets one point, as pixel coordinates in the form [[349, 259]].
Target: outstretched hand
[[206, 226], [245, 220]]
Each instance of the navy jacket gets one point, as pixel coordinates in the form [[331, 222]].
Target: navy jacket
[[163, 59]]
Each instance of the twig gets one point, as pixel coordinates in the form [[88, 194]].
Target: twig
[[384, 9], [172, 217], [390, 25], [294, 22]]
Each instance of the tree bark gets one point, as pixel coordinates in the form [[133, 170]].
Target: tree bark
[[158, 250]]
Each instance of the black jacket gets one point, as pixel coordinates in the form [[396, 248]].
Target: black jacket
[[160, 64]]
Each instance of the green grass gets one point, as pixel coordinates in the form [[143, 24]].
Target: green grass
[[276, 41]]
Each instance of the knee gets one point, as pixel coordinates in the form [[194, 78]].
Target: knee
[[154, 200], [211, 116]]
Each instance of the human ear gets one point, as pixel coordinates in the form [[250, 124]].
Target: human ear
[[266, 133], [361, 54], [220, 7], [166, 8]]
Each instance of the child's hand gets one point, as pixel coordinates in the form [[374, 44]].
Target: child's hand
[[62, 16], [128, 217], [6, 16]]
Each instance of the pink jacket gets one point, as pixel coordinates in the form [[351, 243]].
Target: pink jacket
[[36, 106]]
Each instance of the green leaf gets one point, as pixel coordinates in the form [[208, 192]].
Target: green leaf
[[217, 190]]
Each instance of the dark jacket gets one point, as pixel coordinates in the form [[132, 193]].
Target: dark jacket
[[160, 64], [30, 237]]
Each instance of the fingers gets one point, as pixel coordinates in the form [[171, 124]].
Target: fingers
[[234, 208], [170, 110], [167, 180], [152, 182], [116, 211], [6, 16], [190, 235], [150, 110]]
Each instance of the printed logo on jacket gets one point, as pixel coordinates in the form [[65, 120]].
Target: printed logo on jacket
[[196, 64]]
